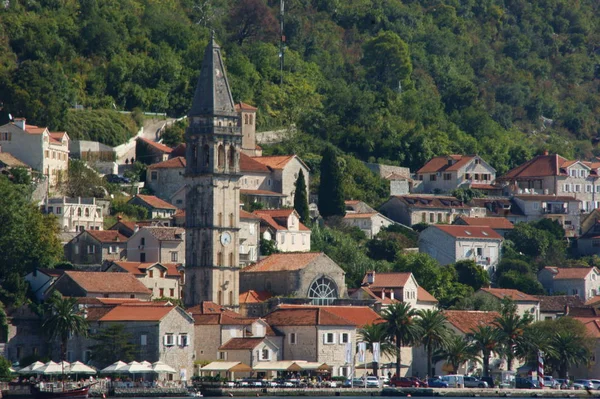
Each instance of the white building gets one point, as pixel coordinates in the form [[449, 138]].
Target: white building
[[446, 173], [284, 227], [76, 214]]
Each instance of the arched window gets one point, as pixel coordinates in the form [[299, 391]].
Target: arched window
[[251, 119], [231, 297], [87, 212], [206, 153], [142, 241], [219, 298], [221, 157], [231, 220], [220, 259], [231, 157], [220, 219], [246, 119], [231, 263], [323, 291], [78, 211], [195, 153]]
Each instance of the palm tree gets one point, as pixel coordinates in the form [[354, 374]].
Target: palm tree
[[434, 333], [535, 339], [570, 350], [511, 330], [64, 321], [401, 325], [485, 340], [457, 352], [373, 333]]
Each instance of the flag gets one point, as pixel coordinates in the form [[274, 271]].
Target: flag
[[348, 352], [376, 352], [362, 348]]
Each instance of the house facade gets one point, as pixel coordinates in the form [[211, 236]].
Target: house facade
[[165, 178], [583, 282], [446, 173], [526, 304], [41, 279], [149, 152], [45, 151], [100, 285], [283, 226], [153, 244], [164, 280], [249, 238], [449, 244], [566, 210], [157, 208], [500, 225], [92, 247], [76, 214], [413, 209]]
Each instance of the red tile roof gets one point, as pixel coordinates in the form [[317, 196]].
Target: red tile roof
[[252, 296], [387, 280], [137, 313], [99, 282], [209, 313], [540, 166], [424, 296], [178, 162], [278, 218], [274, 162], [515, 295], [303, 315], [158, 146], [236, 344], [557, 303], [431, 201], [440, 164], [249, 164], [593, 300], [468, 320], [106, 236], [283, 262], [165, 233], [458, 231], [492, 222], [179, 151], [243, 106], [248, 215], [592, 326], [155, 202], [482, 186], [372, 295], [139, 268], [571, 273]]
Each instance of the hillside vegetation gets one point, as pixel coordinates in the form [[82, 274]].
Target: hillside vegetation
[[390, 80]]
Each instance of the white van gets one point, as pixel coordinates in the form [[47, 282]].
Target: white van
[[454, 380]]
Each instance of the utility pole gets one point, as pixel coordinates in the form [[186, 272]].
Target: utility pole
[[281, 39]]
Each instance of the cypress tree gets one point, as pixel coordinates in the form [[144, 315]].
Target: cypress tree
[[301, 199], [331, 193]]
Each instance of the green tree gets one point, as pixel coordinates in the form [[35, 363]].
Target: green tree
[[387, 61], [486, 341], [331, 196], [63, 321], [402, 326], [434, 333], [457, 352], [113, 343], [570, 351], [267, 247], [471, 274], [301, 199], [5, 366], [511, 331], [376, 333], [174, 134]]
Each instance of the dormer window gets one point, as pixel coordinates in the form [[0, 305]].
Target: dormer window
[[477, 161], [450, 162]]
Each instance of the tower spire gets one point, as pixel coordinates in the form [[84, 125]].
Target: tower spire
[[213, 95]]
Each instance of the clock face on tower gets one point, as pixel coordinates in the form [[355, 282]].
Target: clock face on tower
[[225, 238]]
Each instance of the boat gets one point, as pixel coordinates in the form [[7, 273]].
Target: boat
[[75, 393]]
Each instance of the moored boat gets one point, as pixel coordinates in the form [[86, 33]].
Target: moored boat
[[75, 393]]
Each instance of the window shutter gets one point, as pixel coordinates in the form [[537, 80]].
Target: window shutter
[[166, 340], [179, 340], [324, 338]]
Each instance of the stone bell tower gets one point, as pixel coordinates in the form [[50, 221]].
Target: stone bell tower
[[213, 145]]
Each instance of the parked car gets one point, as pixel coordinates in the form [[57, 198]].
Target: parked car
[[524, 383], [436, 383], [454, 380], [474, 382], [270, 384], [422, 383], [404, 382], [372, 382], [117, 179], [489, 380], [587, 384], [356, 382], [550, 382], [596, 384]]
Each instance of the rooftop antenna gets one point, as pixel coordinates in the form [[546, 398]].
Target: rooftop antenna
[[281, 39]]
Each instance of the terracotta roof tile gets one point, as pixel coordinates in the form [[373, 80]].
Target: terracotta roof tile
[[571, 273], [540, 166], [592, 327], [140, 269], [252, 296], [32, 129], [387, 280], [274, 162], [440, 164], [283, 262], [585, 311], [593, 300], [482, 186], [249, 164], [52, 272], [99, 282], [431, 202], [424, 296], [243, 106], [158, 146], [536, 197], [248, 215], [11, 161], [367, 293], [154, 202], [106, 236], [236, 344], [458, 231], [557, 303], [302, 315], [177, 162], [278, 218], [166, 233], [468, 320], [515, 295], [137, 313], [492, 222]]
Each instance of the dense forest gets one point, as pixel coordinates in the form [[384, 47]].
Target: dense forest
[[389, 80]]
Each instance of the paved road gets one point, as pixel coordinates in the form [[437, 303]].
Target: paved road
[[153, 125]]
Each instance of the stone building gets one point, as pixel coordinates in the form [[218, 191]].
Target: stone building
[[526, 304], [165, 280], [157, 208], [98, 284], [249, 238], [92, 247], [446, 173], [310, 275], [566, 210], [581, 281], [76, 214], [149, 152], [153, 244], [165, 178], [41, 279], [412, 209]]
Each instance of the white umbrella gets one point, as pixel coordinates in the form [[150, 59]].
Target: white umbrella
[[146, 363], [32, 368], [80, 368], [136, 368], [114, 368], [160, 367], [51, 368]]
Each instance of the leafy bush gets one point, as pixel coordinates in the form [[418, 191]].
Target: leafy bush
[[105, 126], [135, 212]]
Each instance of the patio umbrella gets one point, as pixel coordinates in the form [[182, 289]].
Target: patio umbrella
[[114, 368], [160, 367], [80, 368], [51, 368], [136, 368], [146, 363], [32, 368]]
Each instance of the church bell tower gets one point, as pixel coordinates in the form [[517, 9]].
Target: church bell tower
[[213, 145]]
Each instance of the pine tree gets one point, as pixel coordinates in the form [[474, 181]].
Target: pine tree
[[301, 199], [331, 195]]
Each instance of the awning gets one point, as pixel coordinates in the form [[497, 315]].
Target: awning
[[227, 366], [314, 366], [281, 365], [370, 365]]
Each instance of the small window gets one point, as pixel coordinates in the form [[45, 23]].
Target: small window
[[293, 338], [182, 339], [222, 355], [91, 249], [174, 256], [447, 176], [161, 292], [479, 251], [169, 340], [143, 340], [58, 210], [344, 338], [432, 178], [154, 175], [329, 338], [171, 292], [265, 354]]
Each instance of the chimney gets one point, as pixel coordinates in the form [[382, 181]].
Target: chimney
[[383, 294], [546, 152], [136, 228], [119, 218], [20, 122], [392, 294], [371, 277], [567, 309]]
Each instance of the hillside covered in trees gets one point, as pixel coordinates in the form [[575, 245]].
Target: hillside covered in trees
[[389, 80]]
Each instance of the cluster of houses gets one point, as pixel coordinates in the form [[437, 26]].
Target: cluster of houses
[[191, 286]]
